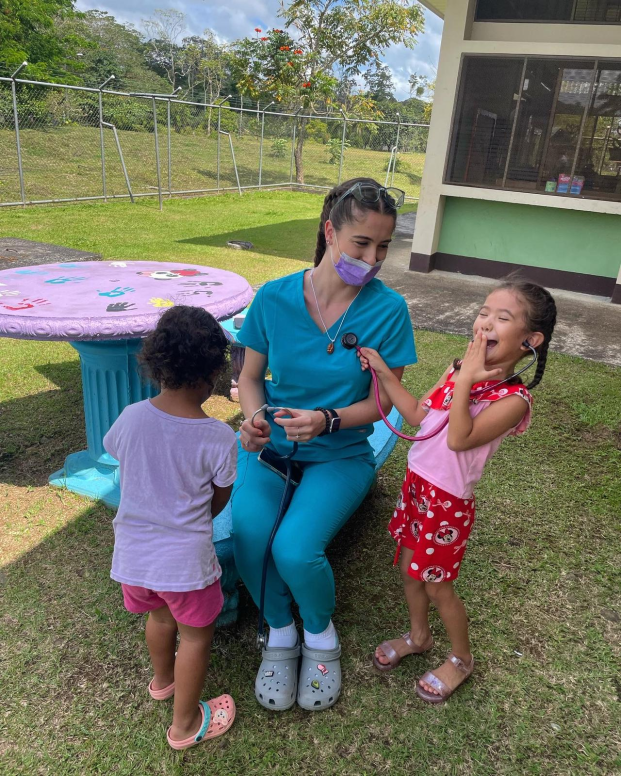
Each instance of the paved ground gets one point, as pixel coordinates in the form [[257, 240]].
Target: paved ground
[[588, 326], [15, 252]]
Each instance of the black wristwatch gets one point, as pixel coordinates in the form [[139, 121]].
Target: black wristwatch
[[333, 422]]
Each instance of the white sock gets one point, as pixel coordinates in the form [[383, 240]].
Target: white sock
[[283, 638], [325, 640]]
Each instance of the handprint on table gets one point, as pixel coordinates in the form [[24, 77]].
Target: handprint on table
[[157, 301], [62, 279], [26, 304], [119, 307], [202, 283], [118, 264], [9, 293], [32, 272], [193, 293], [118, 291]]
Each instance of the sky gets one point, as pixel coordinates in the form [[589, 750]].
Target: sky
[[237, 18]]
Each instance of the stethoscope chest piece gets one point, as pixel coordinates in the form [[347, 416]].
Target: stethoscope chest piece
[[349, 341]]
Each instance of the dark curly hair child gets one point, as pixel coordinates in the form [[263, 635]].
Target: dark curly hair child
[[188, 348], [177, 469]]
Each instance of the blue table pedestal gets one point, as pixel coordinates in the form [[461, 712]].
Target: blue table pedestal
[[110, 382]]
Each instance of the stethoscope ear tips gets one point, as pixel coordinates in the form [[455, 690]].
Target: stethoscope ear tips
[[349, 341]]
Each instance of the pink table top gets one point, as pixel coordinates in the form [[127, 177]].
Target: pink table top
[[108, 300]]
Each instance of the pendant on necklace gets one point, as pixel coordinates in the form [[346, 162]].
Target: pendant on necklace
[[330, 348]]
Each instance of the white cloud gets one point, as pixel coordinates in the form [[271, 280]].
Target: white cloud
[[238, 18]]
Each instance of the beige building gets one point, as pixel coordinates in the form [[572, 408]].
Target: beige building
[[523, 165]]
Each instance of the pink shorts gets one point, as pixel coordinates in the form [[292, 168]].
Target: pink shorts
[[196, 608]]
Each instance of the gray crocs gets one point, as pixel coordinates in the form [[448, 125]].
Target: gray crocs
[[320, 678], [277, 681]]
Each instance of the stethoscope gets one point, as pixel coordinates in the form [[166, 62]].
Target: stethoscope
[[282, 509], [350, 342]]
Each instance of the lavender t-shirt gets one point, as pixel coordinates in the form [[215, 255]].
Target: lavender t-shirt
[[169, 465]]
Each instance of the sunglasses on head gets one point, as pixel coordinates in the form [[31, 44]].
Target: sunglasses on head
[[368, 193]]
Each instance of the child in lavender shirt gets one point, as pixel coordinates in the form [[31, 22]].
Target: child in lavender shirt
[[177, 470]]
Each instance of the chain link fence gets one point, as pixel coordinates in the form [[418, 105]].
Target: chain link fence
[[65, 143]]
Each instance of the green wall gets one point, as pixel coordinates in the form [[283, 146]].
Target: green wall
[[570, 240]]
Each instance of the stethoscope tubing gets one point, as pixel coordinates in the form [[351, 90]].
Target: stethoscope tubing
[[443, 424]]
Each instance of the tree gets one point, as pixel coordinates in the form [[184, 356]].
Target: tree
[[423, 89], [164, 30], [348, 34], [27, 32], [112, 48], [379, 83]]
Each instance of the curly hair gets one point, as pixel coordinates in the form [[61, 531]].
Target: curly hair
[[187, 347], [347, 211]]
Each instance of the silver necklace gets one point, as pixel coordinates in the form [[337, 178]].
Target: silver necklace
[[330, 348]]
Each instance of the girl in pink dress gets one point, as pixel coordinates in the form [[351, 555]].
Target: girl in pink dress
[[436, 509]]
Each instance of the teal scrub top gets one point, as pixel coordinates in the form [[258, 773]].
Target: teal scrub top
[[305, 376]]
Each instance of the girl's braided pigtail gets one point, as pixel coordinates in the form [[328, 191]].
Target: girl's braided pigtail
[[542, 357]]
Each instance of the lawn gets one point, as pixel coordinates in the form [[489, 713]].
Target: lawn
[[540, 580], [66, 162]]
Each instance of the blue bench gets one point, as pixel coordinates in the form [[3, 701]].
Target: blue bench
[[382, 441]]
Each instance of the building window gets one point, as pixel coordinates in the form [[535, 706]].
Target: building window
[[543, 125], [582, 11]]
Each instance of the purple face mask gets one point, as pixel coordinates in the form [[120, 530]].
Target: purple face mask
[[355, 272]]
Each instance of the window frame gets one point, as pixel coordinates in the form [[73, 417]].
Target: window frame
[[478, 20], [457, 108]]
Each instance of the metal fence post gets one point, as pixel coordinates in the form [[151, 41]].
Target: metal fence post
[[101, 137], [17, 143], [342, 146], [168, 140], [218, 143], [261, 142], [157, 154], [394, 164], [241, 114]]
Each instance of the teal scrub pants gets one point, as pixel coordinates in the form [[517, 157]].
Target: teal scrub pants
[[328, 495]]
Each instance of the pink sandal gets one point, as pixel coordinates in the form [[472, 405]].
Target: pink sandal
[[163, 694], [443, 689], [217, 717], [392, 655]]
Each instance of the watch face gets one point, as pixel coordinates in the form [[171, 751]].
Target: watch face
[[335, 425]]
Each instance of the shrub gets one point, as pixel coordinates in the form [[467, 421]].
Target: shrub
[[279, 147]]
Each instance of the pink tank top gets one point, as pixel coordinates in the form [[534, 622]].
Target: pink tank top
[[458, 472]]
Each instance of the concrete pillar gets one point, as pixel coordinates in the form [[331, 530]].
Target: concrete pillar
[[457, 28]]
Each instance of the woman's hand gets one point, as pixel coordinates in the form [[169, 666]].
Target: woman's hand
[[254, 437], [473, 364], [371, 358], [301, 425]]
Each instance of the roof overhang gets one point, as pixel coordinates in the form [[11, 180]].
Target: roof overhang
[[437, 6]]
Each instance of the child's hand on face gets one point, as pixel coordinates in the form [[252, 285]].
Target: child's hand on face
[[371, 358], [473, 364]]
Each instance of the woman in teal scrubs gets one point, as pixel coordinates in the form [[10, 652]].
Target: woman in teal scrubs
[[294, 329]]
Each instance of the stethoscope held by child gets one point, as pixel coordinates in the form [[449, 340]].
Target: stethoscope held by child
[[350, 342]]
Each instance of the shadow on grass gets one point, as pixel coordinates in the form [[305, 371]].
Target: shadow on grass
[[37, 432], [78, 643], [40, 430], [285, 240]]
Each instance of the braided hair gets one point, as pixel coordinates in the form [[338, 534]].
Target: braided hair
[[347, 211], [539, 315]]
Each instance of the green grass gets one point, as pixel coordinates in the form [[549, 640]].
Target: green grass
[[540, 581], [66, 162]]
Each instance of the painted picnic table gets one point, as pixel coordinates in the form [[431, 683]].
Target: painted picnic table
[[104, 309]]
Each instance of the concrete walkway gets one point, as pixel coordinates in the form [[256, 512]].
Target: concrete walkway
[[587, 326]]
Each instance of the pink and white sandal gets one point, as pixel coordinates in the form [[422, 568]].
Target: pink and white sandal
[[163, 694], [218, 715]]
